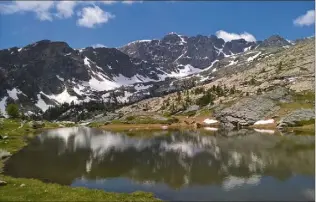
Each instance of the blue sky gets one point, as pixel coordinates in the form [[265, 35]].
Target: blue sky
[[114, 24]]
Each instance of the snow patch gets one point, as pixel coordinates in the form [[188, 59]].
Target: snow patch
[[78, 89], [124, 98], [103, 83], [3, 103], [263, 122], [253, 57], [210, 121], [232, 63], [41, 103], [209, 67], [14, 93], [62, 79], [87, 62], [62, 97], [188, 70], [247, 49], [141, 87], [138, 41]]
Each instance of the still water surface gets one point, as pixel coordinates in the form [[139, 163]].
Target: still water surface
[[173, 165]]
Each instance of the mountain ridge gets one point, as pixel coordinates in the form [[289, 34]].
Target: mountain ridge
[[48, 73]]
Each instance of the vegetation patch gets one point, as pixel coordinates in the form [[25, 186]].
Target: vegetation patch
[[19, 189], [302, 100]]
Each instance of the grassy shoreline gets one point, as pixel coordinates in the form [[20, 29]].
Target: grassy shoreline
[[21, 189]]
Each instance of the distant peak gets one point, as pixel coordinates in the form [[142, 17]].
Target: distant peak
[[172, 33], [275, 41]]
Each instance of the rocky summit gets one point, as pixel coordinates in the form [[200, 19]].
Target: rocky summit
[[49, 73]]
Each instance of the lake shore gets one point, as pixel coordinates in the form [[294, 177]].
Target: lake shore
[[14, 135]]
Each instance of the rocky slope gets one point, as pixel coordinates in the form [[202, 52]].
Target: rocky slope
[[269, 82], [48, 73]]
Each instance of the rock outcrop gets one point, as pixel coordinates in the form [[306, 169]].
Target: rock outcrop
[[297, 118], [248, 110]]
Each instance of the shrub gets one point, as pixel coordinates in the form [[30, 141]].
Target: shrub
[[199, 90], [130, 118], [259, 91], [206, 99], [280, 66], [13, 110]]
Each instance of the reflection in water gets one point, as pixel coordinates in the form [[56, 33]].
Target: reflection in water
[[174, 165]]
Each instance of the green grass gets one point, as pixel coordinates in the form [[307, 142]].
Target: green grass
[[96, 124], [303, 100], [35, 190], [205, 112], [145, 120], [190, 113]]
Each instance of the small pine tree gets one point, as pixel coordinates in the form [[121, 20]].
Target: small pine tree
[[233, 90], [187, 99], [213, 88], [259, 91], [13, 110], [263, 70], [225, 88], [252, 81], [179, 96], [172, 108], [280, 66]]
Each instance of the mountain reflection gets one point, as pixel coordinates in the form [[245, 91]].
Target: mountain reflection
[[174, 158]]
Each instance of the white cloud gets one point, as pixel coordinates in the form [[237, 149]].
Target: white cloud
[[98, 45], [92, 16], [305, 20], [40, 8], [65, 9], [233, 36], [108, 2], [131, 2], [50, 10]]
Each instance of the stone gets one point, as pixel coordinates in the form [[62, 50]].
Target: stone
[[297, 118], [197, 125], [37, 124], [2, 183], [248, 110], [4, 154]]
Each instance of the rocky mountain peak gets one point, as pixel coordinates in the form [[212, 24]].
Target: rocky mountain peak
[[275, 41]]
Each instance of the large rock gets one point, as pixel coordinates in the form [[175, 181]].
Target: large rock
[[4, 154], [251, 109], [297, 118], [37, 124], [2, 183]]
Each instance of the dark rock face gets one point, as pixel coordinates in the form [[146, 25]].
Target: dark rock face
[[249, 110], [50, 68], [174, 50]]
